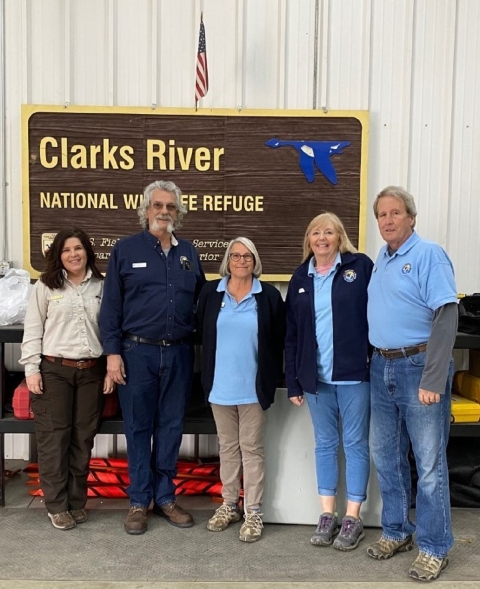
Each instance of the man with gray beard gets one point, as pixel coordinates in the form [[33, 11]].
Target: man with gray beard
[[146, 323]]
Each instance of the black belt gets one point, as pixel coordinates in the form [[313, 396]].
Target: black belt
[[401, 352], [154, 342]]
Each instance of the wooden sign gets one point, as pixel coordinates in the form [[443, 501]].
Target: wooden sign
[[258, 174]]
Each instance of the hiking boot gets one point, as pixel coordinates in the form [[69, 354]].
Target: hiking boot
[[350, 534], [251, 529], [62, 520], [385, 548], [174, 514], [136, 521], [223, 517], [426, 567], [79, 515], [327, 529]]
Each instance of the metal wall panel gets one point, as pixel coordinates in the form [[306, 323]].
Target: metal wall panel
[[411, 63]]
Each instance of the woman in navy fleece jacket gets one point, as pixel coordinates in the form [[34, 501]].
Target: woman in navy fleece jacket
[[327, 362]]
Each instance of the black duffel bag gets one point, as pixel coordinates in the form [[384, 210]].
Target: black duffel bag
[[469, 314]]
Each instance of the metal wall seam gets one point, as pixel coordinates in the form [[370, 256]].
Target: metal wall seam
[[325, 22], [240, 58], [282, 53], [154, 50], [111, 49], [366, 49], [3, 139], [67, 52]]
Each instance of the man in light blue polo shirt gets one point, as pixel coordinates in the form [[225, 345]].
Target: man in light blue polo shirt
[[412, 315]]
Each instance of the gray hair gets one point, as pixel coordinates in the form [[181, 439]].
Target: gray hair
[[257, 267], [167, 186], [400, 194]]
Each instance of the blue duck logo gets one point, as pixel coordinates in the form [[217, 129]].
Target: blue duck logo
[[314, 153]]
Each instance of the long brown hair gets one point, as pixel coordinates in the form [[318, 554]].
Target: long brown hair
[[53, 275]]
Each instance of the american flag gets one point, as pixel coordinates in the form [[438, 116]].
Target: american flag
[[201, 81]]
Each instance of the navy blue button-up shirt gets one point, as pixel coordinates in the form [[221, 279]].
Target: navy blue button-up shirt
[[148, 293]]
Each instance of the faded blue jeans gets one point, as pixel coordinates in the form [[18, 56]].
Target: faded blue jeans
[[399, 418], [352, 404]]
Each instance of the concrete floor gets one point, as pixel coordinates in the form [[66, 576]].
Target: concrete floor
[[99, 555]]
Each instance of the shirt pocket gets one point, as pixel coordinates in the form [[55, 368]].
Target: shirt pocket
[[186, 280], [60, 310], [92, 308]]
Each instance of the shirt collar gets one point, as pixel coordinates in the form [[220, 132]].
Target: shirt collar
[[311, 264], [156, 241], [88, 274], [256, 285], [405, 247]]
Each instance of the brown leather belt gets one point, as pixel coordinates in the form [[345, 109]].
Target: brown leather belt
[[401, 352], [80, 364]]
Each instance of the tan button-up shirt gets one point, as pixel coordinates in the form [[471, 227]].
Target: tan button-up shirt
[[62, 323]]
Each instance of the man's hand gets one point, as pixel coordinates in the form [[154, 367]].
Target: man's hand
[[116, 368], [35, 384], [427, 397], [297, 400], [108, 385]]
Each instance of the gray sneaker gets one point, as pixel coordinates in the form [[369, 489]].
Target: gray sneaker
[[350, 534], [385, 548], [251, 529], [62, 520], [426, 567], [327, 529], [223, 517]]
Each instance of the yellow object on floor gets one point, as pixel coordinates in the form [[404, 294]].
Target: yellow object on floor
[[464, 410]]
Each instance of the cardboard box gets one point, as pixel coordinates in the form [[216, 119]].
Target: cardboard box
[[464, 410]]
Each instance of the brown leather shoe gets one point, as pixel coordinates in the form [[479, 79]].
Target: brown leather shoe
[[136, 521], [174, 514]]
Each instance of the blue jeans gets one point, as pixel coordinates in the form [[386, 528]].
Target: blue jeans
[[399, 418], [153, 404], [352, 404]]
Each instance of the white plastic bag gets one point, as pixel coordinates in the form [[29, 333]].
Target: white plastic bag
[[15, 291]]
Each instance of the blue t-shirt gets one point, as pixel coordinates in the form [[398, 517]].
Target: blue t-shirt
[[324, 321], [405, 290], [236, 357]]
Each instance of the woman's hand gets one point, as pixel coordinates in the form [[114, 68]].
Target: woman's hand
[[108, 385], [297, 400], [116, 368], [35, 384]]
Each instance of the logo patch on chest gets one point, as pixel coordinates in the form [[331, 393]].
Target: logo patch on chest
[[349, 275]]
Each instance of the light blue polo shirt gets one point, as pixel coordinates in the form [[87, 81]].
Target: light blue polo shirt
[[236, 357], [405, 290], [324, 320]]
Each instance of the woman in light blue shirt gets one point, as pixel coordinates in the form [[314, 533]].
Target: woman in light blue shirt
[[242, 324]]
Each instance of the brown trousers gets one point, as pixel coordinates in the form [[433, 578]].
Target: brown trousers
[[67, 417], [241, 432]]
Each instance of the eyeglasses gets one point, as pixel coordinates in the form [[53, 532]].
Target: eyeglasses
[[238, 257], [158, 206]]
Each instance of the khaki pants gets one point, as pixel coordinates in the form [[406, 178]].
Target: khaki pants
[[67, 417], [241, 430]]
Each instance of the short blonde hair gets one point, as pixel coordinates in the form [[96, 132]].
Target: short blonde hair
[[344, 244], [225, 265]]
